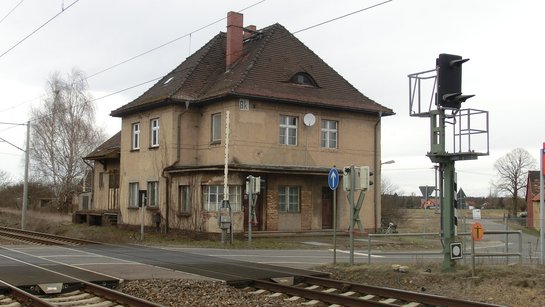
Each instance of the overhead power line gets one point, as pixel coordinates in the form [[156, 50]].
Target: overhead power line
[[11, 11], [167, 43], [137, 56], [341, 17], [21, 103], [43, 25], [8, 142], [125, 89], [13, 124], [199, 29]]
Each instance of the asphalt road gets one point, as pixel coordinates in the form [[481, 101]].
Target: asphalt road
[[114, 265], [324, 254]]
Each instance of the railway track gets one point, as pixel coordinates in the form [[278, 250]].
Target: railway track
[[341, 293], [80, 293], [40, 238], [316, 289], [83, 294]]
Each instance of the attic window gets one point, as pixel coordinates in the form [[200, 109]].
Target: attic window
[[168, 80], [303, 79]]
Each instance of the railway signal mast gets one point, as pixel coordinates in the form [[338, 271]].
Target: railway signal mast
[[468, 128]]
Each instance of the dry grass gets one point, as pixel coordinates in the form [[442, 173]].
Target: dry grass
[[505, 285], [413, 221]]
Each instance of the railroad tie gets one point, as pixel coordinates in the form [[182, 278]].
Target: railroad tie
[[349, 293], [6, 300], [87, 301], [257, 292], [330, 290], [313, 287], [276, 294], [69, 297], [293, 299], [311, 303], [368, 297], [388, 301], [412, 304]]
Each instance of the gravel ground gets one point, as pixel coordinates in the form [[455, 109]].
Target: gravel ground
[[506, 286], [199, 293]]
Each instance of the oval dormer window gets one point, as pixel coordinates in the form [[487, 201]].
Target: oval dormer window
[[303, 79]]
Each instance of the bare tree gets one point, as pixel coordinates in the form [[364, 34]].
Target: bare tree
[[63, 131], [5, 179], [387, 187], [512, 174]]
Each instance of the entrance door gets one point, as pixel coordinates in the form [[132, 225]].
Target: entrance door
[[327, 208]]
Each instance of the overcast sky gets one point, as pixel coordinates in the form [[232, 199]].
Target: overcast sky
[[374, 50]]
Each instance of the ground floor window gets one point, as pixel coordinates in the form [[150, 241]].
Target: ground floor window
[[213, 197], [153, 193], [133, 194], [184, 201], [288, 199]]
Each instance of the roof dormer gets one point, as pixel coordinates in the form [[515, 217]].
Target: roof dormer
[[303, 78]]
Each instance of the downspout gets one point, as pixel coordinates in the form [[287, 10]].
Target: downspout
[[377, 170], [168, 177]]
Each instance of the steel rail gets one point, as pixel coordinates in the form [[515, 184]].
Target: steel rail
[[94, 289], [403, 295], [330, 298], [117, 296], [26, 238], [24, 296], [47, 235]]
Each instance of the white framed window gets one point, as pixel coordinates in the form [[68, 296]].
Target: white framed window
[[135, 143], [213, 197], [185, 199], [235, 194], [288, 199], [154, 132], [215, 134], [133, 194], [329, 133], [153, 193], [288, 130]]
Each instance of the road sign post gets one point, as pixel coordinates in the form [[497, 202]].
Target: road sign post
[[333, 182], [477, 231], [333, 178]]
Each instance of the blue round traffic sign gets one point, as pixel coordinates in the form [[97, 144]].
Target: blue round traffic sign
[[333, 178]]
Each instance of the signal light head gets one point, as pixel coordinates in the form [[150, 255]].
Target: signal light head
[[449, 81]]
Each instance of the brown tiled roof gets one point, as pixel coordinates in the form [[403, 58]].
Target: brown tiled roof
[[271, 57], [109, 149]]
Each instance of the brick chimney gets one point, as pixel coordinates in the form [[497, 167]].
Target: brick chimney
[[235, 34], [249, 31]]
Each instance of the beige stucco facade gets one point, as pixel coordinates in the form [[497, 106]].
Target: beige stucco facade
[[187, 157]]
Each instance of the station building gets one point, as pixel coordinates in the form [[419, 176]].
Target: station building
[[289, 118]]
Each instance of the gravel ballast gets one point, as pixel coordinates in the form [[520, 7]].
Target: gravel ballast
[[177, 292]]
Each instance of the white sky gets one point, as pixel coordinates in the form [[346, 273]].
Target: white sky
[[374, 50]]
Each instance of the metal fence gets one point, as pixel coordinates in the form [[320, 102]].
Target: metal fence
[[490, 252]]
